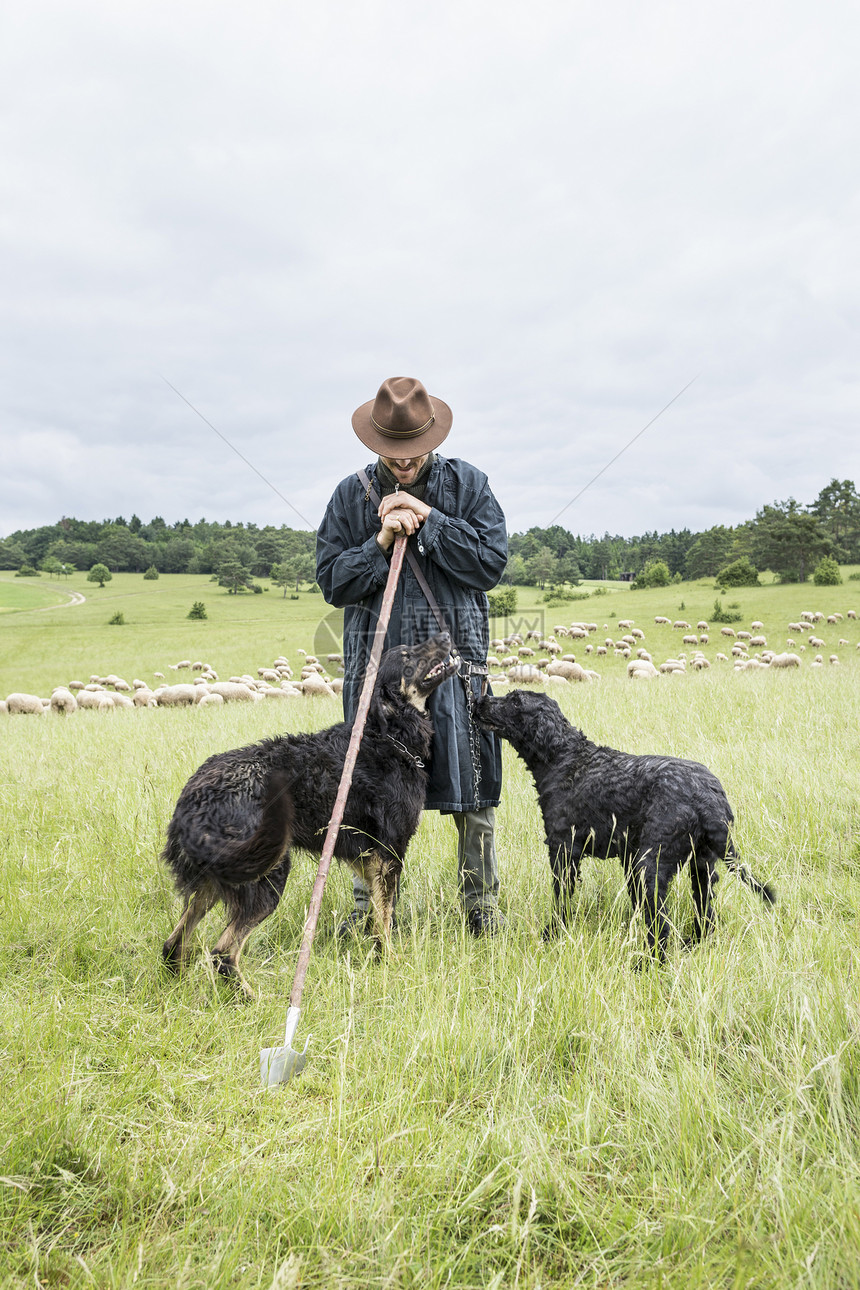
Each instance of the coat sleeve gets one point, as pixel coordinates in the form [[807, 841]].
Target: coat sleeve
[[472, 550], [350, 567]]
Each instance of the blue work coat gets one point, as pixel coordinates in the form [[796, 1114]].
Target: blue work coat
[[462, 549]]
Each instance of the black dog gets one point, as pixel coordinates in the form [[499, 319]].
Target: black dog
[[655, 813], [240, 814]]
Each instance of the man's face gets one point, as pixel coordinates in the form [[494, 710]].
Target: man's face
[[405, 469]]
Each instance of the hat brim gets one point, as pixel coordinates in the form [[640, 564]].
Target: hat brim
[[385, 445]]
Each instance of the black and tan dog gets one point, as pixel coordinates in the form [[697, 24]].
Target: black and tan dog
[[240, 814], [655, 813]]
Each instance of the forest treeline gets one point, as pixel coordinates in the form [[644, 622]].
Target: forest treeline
[[789, 538]]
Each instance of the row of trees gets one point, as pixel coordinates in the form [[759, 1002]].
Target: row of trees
[[133, 547], [786, 537]]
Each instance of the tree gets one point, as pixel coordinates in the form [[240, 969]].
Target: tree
[[52, 565], [740, 573], [99, 573], [655, 574], [299, 568], [234, 576], [151, 574], [197, 610], [515, 571], [787, 538], [827, 573], [710, 552], [837, 506], [541, 568]]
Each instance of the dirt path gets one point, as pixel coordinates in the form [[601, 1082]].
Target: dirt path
[[75, 598]]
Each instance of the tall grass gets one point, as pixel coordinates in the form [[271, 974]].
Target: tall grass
[[472, 1114]]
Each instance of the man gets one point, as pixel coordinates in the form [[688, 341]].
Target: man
[[458, 541]]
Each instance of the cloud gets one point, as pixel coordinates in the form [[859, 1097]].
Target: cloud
[[554, 217]]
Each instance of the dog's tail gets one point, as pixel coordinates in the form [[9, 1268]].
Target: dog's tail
[[743, 871], [247, 859]]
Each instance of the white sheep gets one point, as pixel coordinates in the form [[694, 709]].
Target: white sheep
[[660, 621], [568, 671], [690, 640], [757, 626], [640, 669], [852, 613], [681, 625], [701, 626], [525, 674], [211, 701], [233, 691], [758, 642], [24, 704], [816, 642], [62, 700], [176, 696], [727, 631], [785, 660]]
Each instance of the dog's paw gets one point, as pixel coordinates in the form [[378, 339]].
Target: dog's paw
[[171, 959], [225, 968]]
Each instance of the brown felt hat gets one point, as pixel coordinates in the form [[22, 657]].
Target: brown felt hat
[[402, 421]]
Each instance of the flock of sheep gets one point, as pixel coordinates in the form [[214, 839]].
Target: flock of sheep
[[516, 659], [107, 693]]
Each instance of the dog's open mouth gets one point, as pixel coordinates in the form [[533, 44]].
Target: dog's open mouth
[[440, 672]]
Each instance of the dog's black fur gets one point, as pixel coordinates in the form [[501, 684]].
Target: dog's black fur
[[240, 814], [655, 813]]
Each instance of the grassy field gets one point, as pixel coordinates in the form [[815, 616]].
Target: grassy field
[[472, 1114]]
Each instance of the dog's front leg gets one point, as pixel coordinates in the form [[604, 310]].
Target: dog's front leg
[[564, 865], [648, 885], [703, 878]]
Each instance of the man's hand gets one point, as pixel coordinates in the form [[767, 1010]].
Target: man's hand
[[400, 513], [404, 502], [396, 521]]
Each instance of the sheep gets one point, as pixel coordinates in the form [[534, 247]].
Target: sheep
[[796, 627], [832, 620], [700, 663], [4, 710], [211, 701], [757, 627], [834, 658], [577, 633], [269, 674], [197, 666], [498, 646], [852, 613], [176, 696], [721, 658], [842, 642], [601, 650], [808, 616], [589, 649], [673, 667], [62, 700], [637, 633], [525, 674], [758, 642], [643, 655], [121, 701], [88, 698], [533, 635], [556, 680], [703, 638], [690, 640], [233, 692], [625, 623], [24, 704], [144, 699], [701, 625], [567, 671], [639, 669], [727, 631], [785, 660], [739, 651], [750, 665], [315, 686], [75, 685], [179, 667], [816, 642], [744, 636], [159, 676], [680, 625], [660, 621]]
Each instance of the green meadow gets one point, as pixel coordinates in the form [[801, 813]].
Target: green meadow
[[473, 1114]]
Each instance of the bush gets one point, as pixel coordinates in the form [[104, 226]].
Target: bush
[[256, 588], [854, 577], [562, 595], [118, 619], [27, 571], [197, 610], [741, 573], [655, 574], [600, 591], [827, 573], [720, 615], [151, 574], [502, 602]]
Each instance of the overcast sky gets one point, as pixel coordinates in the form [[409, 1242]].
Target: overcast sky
[[554, 214]]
